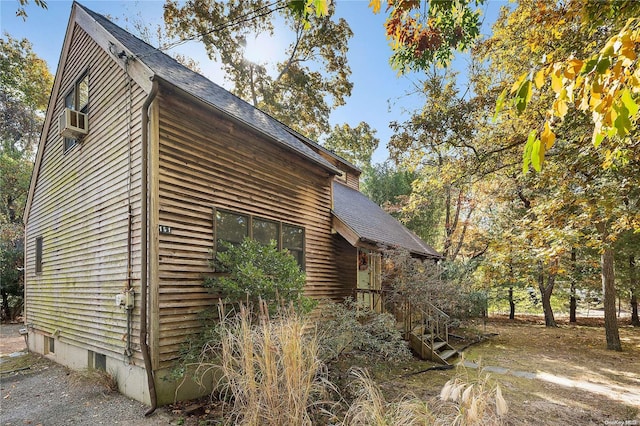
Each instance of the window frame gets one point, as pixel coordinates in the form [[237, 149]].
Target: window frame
[[251, 217], [70, 143]]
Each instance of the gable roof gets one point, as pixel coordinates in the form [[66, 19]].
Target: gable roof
[[146, 63], [371, 224], [171, 71]]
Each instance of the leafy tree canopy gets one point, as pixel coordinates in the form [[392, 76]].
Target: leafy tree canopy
[[25, 85], [601, 80], [313, 77], [354, 144], [424, 33]]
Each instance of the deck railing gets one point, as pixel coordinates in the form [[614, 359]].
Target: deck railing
[[432, 319]]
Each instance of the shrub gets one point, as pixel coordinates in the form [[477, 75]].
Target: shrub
[[251, 271], [352, 328]]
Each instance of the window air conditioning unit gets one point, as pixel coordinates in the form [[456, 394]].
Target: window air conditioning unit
[[73, 124]]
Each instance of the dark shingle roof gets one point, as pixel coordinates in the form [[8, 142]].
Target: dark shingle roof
[[372, 224], [169, 70]]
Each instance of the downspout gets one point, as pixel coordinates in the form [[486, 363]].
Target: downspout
[[144, 347]]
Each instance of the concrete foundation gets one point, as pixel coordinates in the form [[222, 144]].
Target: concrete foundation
[[131, 378]]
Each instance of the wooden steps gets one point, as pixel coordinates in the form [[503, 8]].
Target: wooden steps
[[436, 350], [426, 328]]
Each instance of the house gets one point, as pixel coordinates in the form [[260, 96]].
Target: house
[[143, 165]]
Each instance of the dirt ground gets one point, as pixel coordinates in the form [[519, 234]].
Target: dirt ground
[[577, 381], [549, 376]]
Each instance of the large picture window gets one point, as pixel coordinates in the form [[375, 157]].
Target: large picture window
[[232, 227], [77, 99]]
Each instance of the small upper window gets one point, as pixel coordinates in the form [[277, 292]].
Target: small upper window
[[78, 100], [38, 259]]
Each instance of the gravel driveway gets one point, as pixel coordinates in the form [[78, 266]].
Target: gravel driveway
[[48, 394]]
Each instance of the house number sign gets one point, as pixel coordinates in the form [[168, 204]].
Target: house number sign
[[164, 229]]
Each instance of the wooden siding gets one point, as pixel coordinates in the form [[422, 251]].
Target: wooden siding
[[80, 207], [208, 161], [351, 175], [353, 181], [347, 264]]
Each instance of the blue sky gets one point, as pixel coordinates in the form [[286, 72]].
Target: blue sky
[[378, 97]]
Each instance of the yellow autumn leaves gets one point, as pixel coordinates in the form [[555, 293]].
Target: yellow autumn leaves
[[605, 85]]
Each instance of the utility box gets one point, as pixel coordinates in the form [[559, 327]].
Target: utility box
[[125, 299]]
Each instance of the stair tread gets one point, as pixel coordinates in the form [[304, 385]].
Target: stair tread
[[447, 354], [438, 345]]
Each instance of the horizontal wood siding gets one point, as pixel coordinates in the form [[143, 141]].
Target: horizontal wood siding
[[351, 175], [353, 180], [347, 264], [207, 161], [80, 208]]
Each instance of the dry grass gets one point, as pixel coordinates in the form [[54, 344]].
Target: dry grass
[[270, 370], [371, 408], [572, 379], [577, 380], [476, 400], [101, 378], [467, 399]]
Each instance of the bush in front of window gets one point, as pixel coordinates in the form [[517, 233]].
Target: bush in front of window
[[252, 271]]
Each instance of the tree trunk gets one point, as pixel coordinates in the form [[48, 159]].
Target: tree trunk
[[572, 301], [5, 314], [609, 291], [635, 321], [512, 305], [545, 293]]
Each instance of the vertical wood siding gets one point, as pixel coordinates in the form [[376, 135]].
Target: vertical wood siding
[[207, 161], [80, 208]]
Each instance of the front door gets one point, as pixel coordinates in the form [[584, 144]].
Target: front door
[[369, 279]]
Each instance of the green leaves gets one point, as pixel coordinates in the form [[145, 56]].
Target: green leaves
[[255, 271], [628, 102], [427, 33], [523, 96], [531, 149], [305, 9], [500, 104]]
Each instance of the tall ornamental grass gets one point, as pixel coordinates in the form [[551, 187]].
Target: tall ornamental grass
[[270, 368]]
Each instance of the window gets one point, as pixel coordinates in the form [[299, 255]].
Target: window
[[38, 255], [97, 361], [78, 100], [231, 227], [49, 345], [234, 227], [293, 241], [264, 231]]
